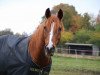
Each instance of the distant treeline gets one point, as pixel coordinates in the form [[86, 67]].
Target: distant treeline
[[10, 32]]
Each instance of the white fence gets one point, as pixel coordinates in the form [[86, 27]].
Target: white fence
[[78, 52]]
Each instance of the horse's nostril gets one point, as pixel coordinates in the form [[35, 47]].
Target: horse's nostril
[[52, 49], [47, 48]]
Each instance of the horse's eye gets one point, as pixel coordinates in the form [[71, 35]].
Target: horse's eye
[[45, 28], [59, 29]]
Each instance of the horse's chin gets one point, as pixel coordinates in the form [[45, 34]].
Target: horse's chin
[[49, 54]]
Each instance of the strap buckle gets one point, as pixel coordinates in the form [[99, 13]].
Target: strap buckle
[[40, 71]]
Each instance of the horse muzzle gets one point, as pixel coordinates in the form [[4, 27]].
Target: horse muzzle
[[50, 51]]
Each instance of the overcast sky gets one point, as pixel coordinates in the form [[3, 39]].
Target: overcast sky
[[25, 15]]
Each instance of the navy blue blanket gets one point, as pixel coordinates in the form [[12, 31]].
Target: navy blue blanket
[[14, 57]]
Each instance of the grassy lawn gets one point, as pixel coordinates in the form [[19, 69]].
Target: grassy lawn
[[73, 66]]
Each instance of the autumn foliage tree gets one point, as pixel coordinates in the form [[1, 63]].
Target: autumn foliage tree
[[66, 37]]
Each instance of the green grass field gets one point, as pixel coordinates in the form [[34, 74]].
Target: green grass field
[[73, 66]]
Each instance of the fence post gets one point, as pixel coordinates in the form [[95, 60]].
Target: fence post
[[69, 49], [76, 53]]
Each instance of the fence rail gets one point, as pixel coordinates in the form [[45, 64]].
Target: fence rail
[[77, 52]]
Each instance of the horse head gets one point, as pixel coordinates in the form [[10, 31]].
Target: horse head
[[52, 31]]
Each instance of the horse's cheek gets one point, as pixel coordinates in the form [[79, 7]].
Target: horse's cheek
[[57, 39], [59, 36], [46, 40]]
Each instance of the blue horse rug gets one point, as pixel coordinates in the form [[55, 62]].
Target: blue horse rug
[[14, 57]]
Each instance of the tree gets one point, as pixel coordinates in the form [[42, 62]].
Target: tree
[[76, 23], [25, 34], [82, 36], [92, 20], [95, 38], [66, 37], [86, 19], [98, 18], [18, 34], [6, 31], [97, 28]]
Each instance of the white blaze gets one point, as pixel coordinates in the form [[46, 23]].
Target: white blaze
[[51, 35]]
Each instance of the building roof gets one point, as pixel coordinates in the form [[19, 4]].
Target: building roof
[[78, 44]]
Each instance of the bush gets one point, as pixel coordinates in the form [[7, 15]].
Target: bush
[[66, 37]]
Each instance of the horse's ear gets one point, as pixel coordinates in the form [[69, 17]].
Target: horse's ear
[[47, 13], [60, 14]]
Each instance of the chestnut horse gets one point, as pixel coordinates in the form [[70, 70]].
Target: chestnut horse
[[43, 42], [40, 46]]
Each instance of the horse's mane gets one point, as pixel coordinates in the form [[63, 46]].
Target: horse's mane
[[38, 45], [37, 36], [38, 31]]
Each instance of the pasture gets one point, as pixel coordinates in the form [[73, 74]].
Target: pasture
[[72, 66]]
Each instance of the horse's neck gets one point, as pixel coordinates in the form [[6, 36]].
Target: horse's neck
[[36, 48]]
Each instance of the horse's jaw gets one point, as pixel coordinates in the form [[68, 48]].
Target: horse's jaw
[[48, 54]]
